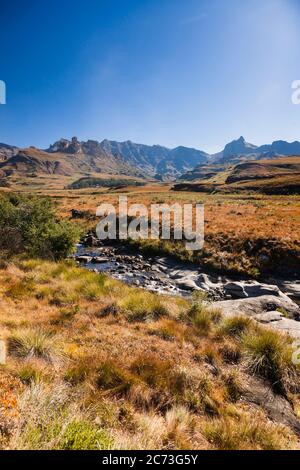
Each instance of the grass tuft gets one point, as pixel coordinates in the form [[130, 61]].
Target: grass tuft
[[268, 354], [235, 326], [32, 342]]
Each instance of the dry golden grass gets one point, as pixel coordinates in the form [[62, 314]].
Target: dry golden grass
[[249, 234], [118, 381]]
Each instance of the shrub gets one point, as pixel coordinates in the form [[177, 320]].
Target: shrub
[[179, 424], [51, 421], [233, 385], [29, 225], [160, 375], [169, 330], [230, 352], [29, 373], [77, 373], [151, 370], [21, 288]]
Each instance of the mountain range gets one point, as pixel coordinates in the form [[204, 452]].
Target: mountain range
[[238, 149], [74, 157]]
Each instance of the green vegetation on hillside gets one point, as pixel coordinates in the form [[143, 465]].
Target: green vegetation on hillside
[[91, 182]]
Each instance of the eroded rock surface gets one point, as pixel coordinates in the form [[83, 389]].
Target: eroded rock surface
[[278, 311]]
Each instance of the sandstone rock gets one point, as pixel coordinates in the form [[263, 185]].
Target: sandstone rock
[[83, 259], [187, 284], [90, 240], [268, 317], [292, 289], [278, 409], [257, 305], [264, 310], [100, 259], [286, 325], [250, 289]]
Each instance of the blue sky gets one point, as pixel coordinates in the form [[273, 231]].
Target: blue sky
[[197, 73]]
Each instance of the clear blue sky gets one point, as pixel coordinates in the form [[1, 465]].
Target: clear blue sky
[[175, 72]]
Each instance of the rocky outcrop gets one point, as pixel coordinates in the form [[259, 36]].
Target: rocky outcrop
[[244, 290], [278, 311], [278, 409]]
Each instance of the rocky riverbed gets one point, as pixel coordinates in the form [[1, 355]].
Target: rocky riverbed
[[273, 302]]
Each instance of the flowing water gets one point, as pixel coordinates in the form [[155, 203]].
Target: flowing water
[[166, 275]]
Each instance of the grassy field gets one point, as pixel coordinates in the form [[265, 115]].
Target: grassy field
[[95, 364], [180, 381], [248, 234]]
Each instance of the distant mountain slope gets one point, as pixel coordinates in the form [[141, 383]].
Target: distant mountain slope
[[239, 149], [7, 151], [73, 157], [265, 169], [151, 160], [275, 176], [35, 161]]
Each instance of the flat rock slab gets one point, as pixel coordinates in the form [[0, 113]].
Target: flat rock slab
[[258, 392], [268, 317], [286, 325], [99, 260], [265, 310], [257, 305], [83, 259], [241, 289]]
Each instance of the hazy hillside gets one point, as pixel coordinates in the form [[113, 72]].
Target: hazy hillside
[[7, 151], [35, 161], [276, 176], [71, 157], [75, 159], [240, 150], [150, 160]]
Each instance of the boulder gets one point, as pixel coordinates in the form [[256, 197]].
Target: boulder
[[83, 259], [286, 325], [76, 214], [292, 289], [187, 283], [243, 290], [258, 392], [100, 259], [90, 240]]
